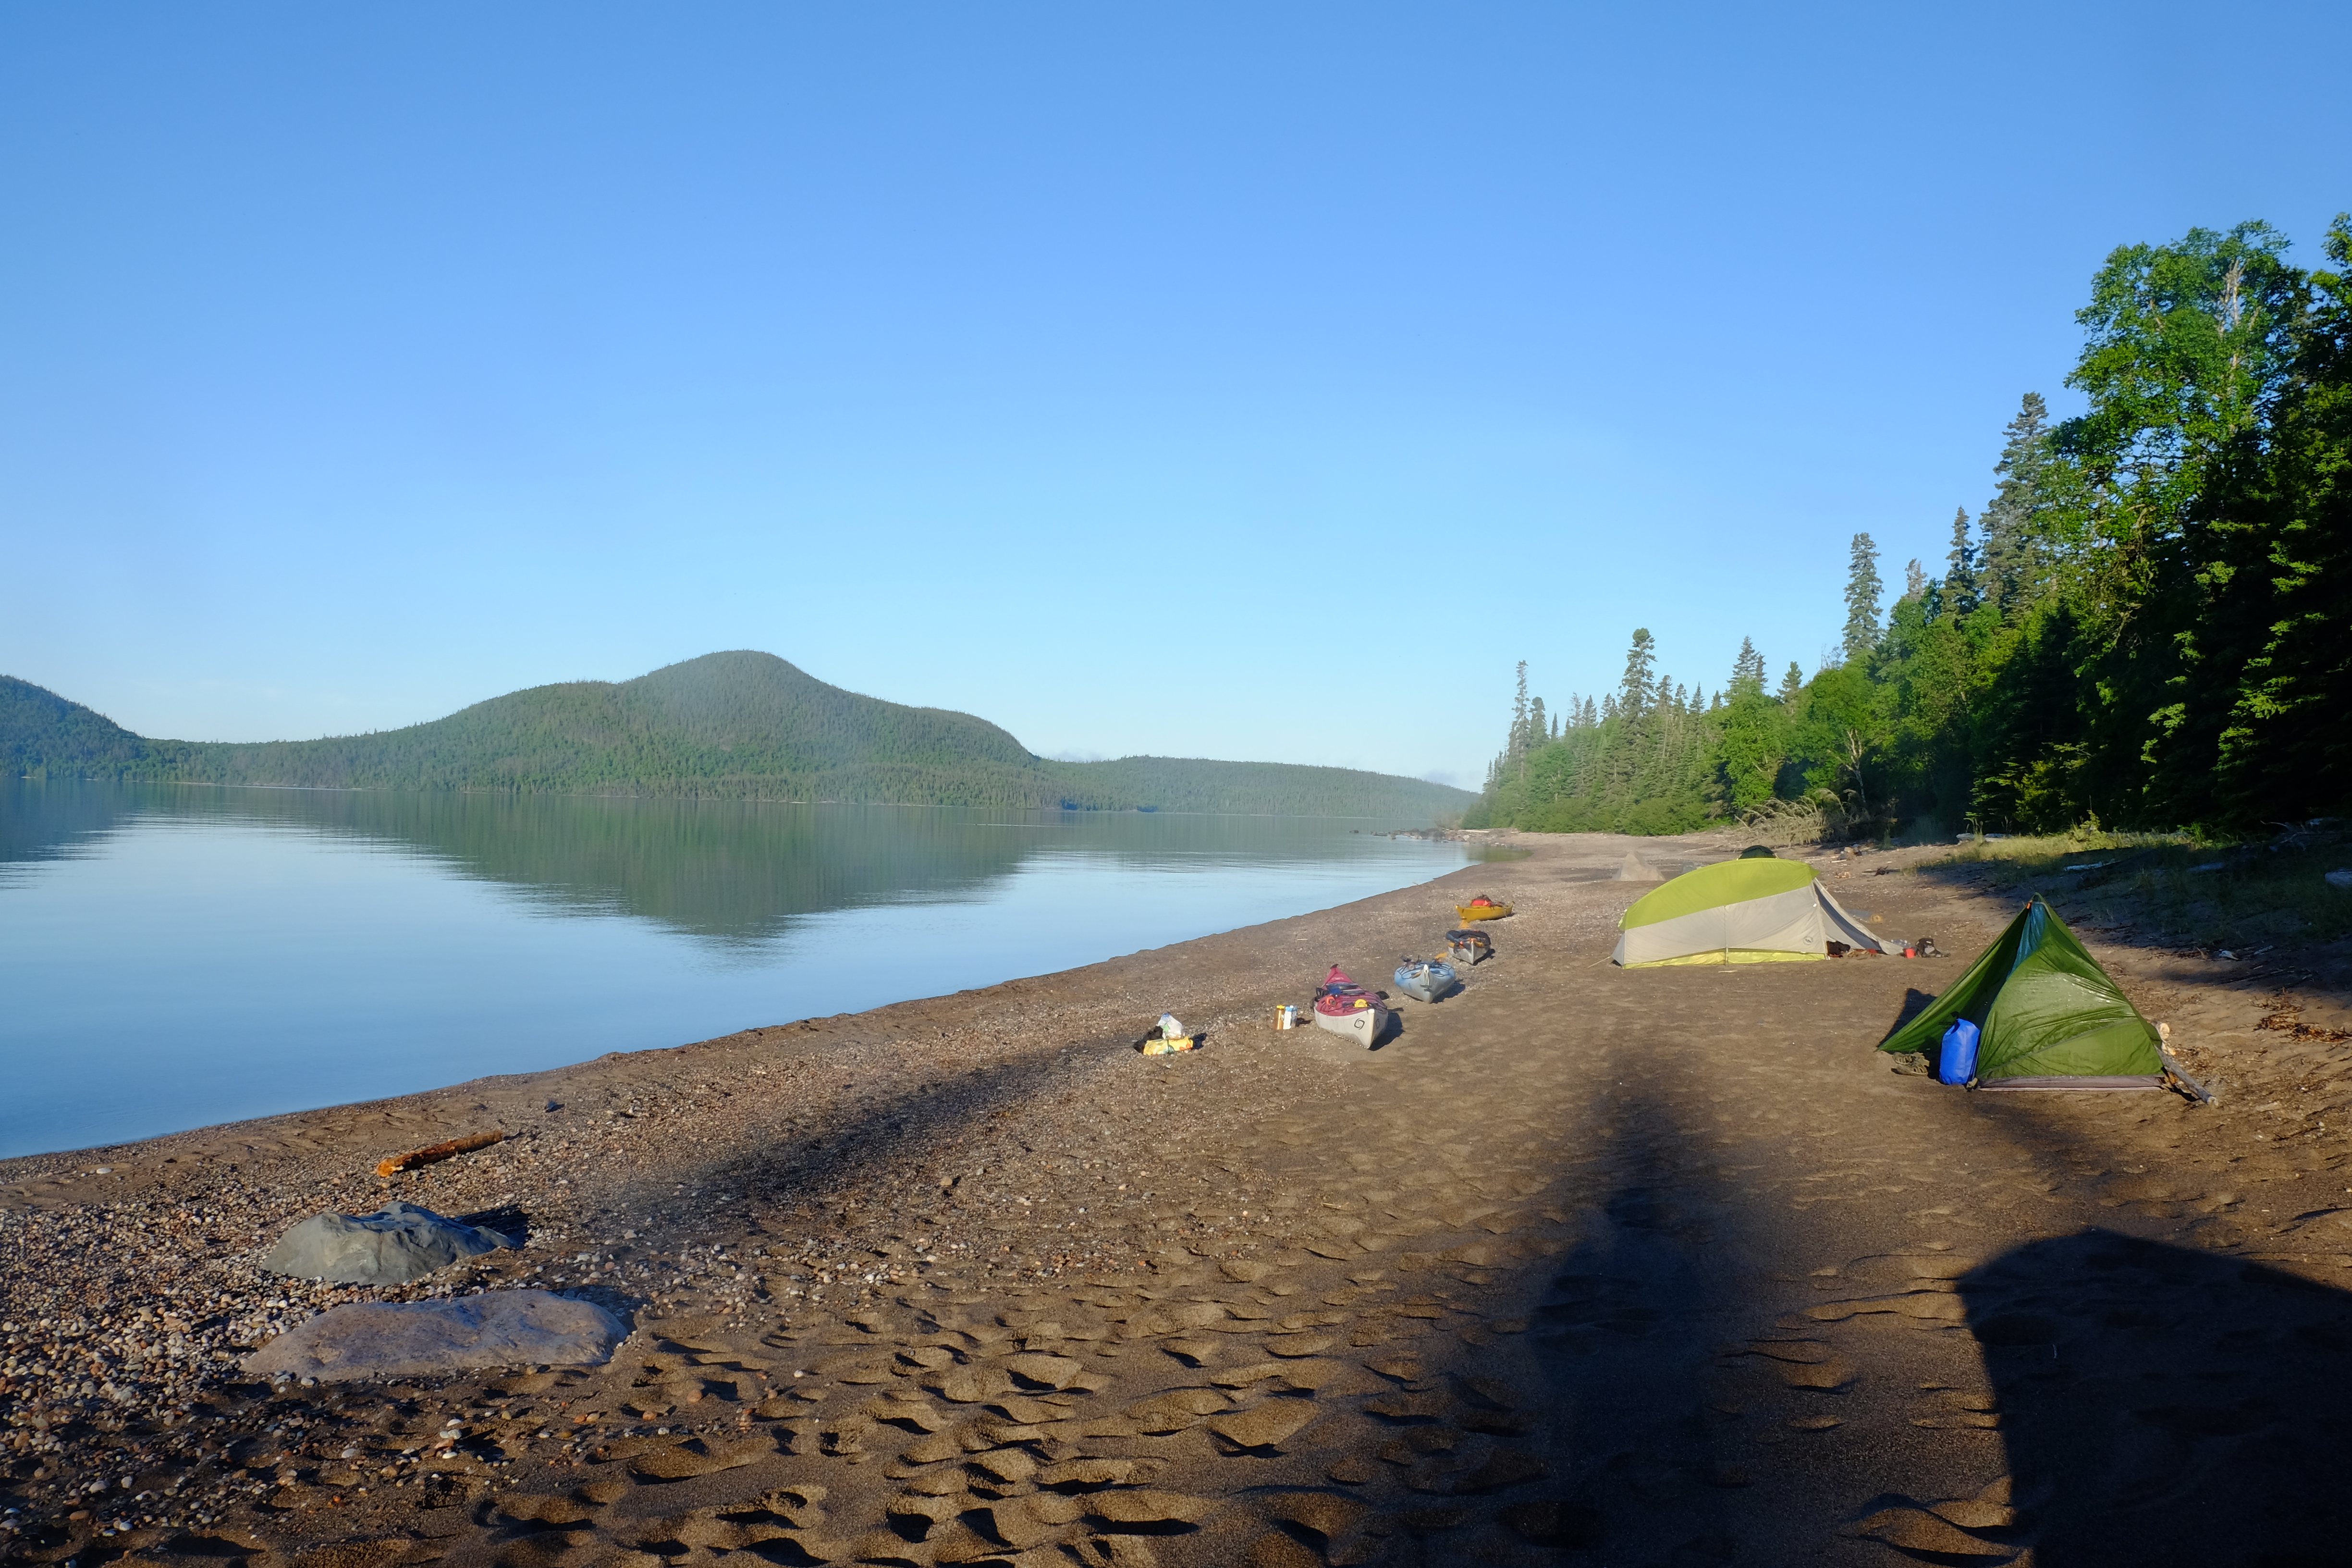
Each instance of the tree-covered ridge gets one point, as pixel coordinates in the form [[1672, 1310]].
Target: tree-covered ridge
[[2148, 624], [724, 718], [735, 725], [40, 730], [1270, 789]]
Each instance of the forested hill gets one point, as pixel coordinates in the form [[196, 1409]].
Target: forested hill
[[1271, 789], [40, 731], [728, 725]]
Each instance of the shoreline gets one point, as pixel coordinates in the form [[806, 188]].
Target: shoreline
[[136, 1163], [829, 1236]]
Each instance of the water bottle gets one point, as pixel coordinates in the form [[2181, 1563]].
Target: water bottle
[[1957, 1062]]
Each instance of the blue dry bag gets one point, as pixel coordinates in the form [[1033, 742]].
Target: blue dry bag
[[1957, 1062]]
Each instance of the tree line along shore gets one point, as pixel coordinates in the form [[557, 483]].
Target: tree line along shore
[[2146, 626]]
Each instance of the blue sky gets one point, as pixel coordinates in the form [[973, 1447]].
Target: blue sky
[[1217, 380]]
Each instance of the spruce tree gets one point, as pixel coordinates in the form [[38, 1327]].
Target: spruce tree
[[1747, 670], [1518, 740], [2009, 561], [1960, 592], [1634, 696], [1915, 579], [1862, 591], [1792, 684]]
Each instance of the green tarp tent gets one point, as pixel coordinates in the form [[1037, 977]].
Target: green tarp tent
[[2049, 1016], [1759, 911]]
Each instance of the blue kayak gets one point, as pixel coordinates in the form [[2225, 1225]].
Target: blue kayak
[[1424, 979]]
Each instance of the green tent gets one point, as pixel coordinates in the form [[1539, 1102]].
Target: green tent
[[1759, 911], [2048, 1016]]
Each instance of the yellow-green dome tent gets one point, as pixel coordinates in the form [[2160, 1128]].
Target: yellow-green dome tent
[[1740, 911]]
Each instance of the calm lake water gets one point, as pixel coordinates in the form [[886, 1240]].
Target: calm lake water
[[172, 957]]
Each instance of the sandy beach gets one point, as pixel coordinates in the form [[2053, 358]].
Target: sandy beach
[[1581, 1265]]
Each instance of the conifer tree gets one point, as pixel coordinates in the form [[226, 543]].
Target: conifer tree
[[1915, 579], [1519, 739], [2009, 563], [1792, 684], [1634, 696], [1747, 670], [1862, 589], [1961, 594]]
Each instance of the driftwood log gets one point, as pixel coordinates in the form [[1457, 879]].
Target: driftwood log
[[437, 1152]]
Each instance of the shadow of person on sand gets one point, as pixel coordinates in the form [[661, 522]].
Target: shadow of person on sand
[[1623, 1339], [2162, 1406]]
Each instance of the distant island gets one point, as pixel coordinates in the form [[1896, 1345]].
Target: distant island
[[733, 726]]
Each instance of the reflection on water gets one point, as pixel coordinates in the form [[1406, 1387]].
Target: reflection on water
[[172, 956]]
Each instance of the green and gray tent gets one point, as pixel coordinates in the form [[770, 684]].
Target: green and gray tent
[[1761, 911], [2048, 1017]]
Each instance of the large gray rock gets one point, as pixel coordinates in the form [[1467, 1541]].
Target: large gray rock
[[412, 1338], [391, 1246]]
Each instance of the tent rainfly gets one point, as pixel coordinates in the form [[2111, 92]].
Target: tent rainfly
[[1739, 911], [2047, 1015]]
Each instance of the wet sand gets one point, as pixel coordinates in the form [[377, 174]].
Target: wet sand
[[1580, 1266]]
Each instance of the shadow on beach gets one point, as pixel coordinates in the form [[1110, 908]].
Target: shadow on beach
[[2163, 1406], [1625, 1344], [2155, 1404]]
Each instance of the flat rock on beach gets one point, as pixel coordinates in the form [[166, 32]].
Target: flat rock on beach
[[1580, 1265], [411, 1339]]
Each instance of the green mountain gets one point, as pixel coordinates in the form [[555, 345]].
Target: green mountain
[[735, 725], [40, 731]]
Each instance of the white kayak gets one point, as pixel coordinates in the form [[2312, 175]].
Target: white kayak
[[1361, 1025]]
